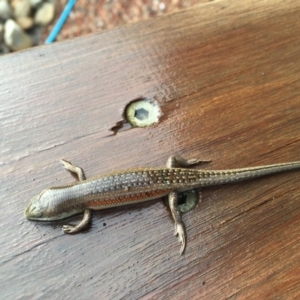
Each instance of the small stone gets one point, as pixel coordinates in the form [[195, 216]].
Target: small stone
[[3, 49], [25, 22], [14, 36], [45, 14], [21, 8], [1, 32], [5, 10], [35, 3]]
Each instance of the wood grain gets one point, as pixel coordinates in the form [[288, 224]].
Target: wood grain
[[226, 76]]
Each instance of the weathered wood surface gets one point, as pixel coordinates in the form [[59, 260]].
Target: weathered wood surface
[[226, 75]]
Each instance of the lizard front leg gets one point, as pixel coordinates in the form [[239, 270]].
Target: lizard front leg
[[73, 169], [87, 215]]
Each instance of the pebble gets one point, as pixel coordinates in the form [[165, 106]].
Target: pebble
[[44, 14], [22, 22], [5, 10], [1, 32], [25, 22], [21, 8], [35, 3], [3, 49], [15, 37]]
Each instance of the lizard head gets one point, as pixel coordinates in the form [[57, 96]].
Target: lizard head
[[48, 206], [38, 208]]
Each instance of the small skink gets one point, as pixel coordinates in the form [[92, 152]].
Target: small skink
[[133, 186]]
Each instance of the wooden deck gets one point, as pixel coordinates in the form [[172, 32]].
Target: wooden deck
[[227, 78]]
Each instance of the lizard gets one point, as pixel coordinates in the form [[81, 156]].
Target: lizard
[[133, 186]]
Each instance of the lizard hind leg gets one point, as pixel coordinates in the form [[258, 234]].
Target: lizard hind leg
[[73, 169], [176, 161], [179, 225]]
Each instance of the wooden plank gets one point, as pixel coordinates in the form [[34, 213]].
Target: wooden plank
[[226, 76]]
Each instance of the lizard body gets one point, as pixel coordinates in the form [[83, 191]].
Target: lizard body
[[133, 186]]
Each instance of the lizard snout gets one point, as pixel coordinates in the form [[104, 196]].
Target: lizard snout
[[33, 210]]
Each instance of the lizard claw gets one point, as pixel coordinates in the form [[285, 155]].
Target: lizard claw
[[195, 161], [180, 232], [69, 229]]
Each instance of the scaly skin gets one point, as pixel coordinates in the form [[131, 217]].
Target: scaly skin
[[133, 186]]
